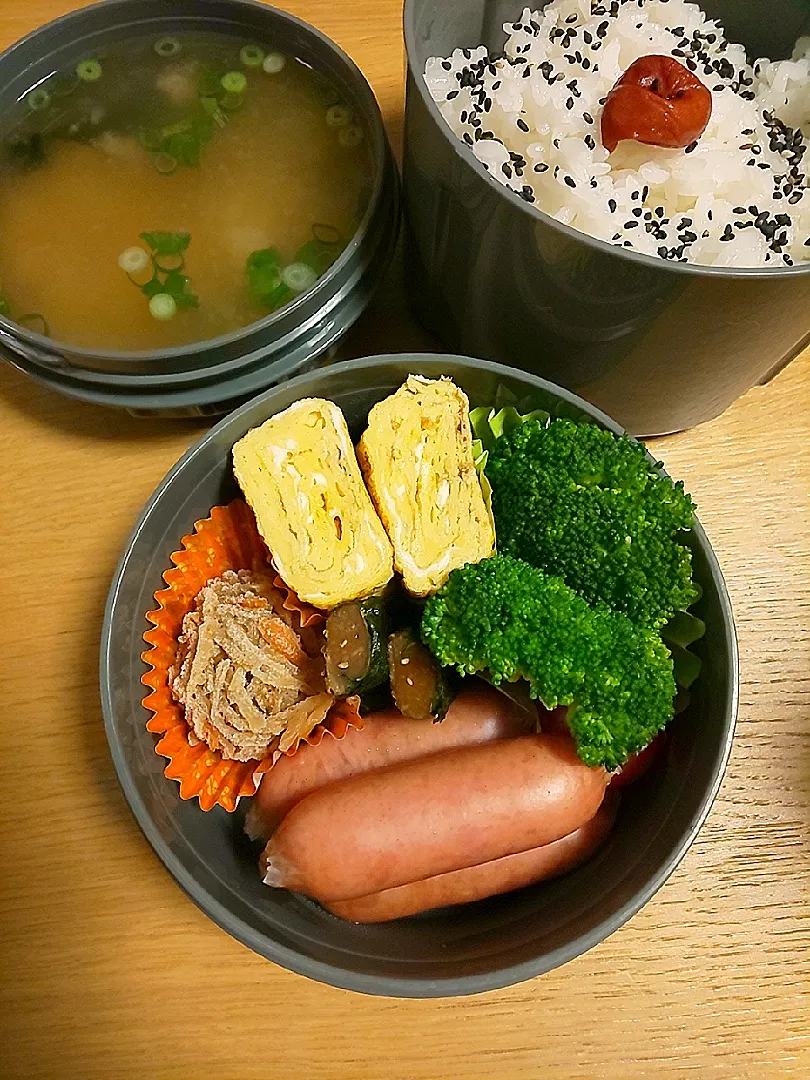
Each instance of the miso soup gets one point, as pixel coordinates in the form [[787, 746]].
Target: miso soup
[[170, 190]]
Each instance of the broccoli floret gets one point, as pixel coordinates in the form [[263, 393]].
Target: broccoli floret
[[580, 502], [511, 620]]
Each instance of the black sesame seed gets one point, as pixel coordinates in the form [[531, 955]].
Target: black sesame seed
[[612, 205], [521, 123], [570, 181], [631, 224], [587, 118]]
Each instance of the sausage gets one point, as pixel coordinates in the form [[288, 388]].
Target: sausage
[[639, 764], [431, 816], [476, 716], [486, 879]]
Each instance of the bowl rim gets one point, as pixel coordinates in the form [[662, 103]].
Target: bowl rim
[[535, 214], [379, 153], [334, 975]]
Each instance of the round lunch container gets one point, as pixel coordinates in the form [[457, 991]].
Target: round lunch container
[[211, 376], [462, 950], [661, 346]]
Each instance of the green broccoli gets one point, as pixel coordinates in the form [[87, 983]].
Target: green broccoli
[[511, 620], [578, 501]]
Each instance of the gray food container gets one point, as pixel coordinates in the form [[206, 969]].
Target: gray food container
[[462, 950], [660, 346], [211, 376]]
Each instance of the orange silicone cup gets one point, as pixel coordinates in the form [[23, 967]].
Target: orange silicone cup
[[226, 540]]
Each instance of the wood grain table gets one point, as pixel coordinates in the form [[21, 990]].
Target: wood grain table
[[108, 971]]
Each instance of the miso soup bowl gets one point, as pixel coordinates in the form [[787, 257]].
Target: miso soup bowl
[[211, 376], [462, 950], [661, 346]]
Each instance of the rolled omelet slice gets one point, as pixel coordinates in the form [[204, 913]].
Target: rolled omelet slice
[[417, 459], [299, 473]]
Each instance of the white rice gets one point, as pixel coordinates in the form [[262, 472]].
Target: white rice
[[737, 197]]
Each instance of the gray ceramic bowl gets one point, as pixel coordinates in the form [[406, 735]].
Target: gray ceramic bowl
[[211, 376], [659, 345], [460, 950]]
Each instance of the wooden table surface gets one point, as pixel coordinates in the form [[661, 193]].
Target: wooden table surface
[[108, 971]]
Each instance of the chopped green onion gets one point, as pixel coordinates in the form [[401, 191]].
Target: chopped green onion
[[150, 141], [338, 116], [133, 260], [184, 148], [167, 243], [252, 55], [325, 93], [38, 99], [164, 163], [34, 322], [89, 70], [167, 46], [169, 264], [274, 62], [176, 285], [263, 270], [163, 307], [180, 128], [232, 101], [351, 136], [234, 82], [152, 287], [317, 255], [327, 234], [298, 277]]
